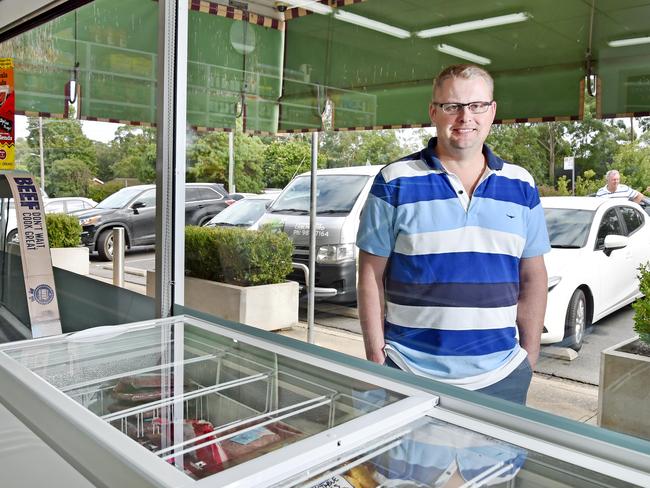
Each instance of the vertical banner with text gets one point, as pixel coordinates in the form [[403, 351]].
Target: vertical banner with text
[[35, 255], [7, 114]]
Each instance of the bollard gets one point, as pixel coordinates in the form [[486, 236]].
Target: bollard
[[118, 256]]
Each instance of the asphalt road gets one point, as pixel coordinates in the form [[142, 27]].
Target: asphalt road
[[585, 368]]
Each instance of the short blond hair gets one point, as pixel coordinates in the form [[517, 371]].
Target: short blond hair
[[464, 71]]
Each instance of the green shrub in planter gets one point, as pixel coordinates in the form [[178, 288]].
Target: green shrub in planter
[[642, 305], [63, 230], [237, 256]]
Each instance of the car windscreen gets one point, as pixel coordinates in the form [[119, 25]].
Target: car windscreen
[[568, 227], [336, 194], [119, 199], [244, 213]]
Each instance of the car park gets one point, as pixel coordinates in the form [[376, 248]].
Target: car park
[[245, 213], [597, 245], [134, 209]]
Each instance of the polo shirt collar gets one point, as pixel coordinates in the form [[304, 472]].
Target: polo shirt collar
[[428, 154]]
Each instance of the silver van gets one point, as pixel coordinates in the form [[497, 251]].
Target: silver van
[[341, 194]]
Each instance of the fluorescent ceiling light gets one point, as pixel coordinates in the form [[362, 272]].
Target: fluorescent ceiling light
[[629, 42], [459, 53], [312, 5], [371, 24], [473, 25]]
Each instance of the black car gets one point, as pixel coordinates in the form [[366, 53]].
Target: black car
[[134, 209]]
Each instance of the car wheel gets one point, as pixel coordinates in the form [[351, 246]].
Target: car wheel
[[105, 245], [576, 320], [13, 236]]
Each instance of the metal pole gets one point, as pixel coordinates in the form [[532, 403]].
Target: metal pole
[[231, 161], [40, 152], [312, 239], [573, 178], [118, 256]]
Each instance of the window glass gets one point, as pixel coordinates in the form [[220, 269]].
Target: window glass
[[209, 194], [192, 194], [55, 207], [610, 225], [148, 198], [632, 218], [76, 205]]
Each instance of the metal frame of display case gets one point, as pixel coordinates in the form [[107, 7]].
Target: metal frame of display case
[[105, 457]]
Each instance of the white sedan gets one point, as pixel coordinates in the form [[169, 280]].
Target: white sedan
[[597, 246]]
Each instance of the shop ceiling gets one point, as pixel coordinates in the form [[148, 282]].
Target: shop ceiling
[[278, 65]]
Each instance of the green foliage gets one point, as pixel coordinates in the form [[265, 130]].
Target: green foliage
[[563, 186], [63, 230], [62, 140], [68, 177], [587, 184], [207, 160], [135, 151], [98, 192], [237, 256], [642, 305], [284, 159], [633, 162], [352, 148]]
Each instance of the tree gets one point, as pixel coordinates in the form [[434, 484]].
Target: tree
[[106, 157], [68, 177], [62, 140], [207, 160], [632, 160], [136, 149], [283, 159], [351, 148]]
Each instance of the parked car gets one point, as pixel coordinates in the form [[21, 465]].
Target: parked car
[[51, 205], [597, 245], [342, 192], [134, 209], [68, 204], [245, 212]]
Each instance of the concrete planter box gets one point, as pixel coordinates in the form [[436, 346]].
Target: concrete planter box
[[268, 307], [623, 394], [73, 259]]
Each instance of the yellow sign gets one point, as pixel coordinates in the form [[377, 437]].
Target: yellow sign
[[7, 114]]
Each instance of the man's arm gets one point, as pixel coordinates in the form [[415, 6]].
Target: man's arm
[[370, 297], [531, 307], [639, 197]]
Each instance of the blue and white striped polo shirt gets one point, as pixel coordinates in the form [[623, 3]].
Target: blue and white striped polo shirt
[[622, 191], [452, 281]]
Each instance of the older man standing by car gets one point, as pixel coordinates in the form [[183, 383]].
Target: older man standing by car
[[614, 189], [451, 266]]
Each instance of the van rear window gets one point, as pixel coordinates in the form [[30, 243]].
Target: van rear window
[[336, 194]]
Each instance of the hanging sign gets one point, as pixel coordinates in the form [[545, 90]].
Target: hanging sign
[[35, 254], [7, 112]]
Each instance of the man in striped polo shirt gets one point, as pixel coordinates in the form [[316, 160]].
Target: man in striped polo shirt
[[451, 267], [613, 188]]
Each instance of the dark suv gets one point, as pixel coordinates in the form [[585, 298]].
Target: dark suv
[[134, 208]]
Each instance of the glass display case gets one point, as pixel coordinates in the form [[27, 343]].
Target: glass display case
[[184, 402]]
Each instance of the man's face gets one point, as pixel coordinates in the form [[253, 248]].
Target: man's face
[[613, 181], [464, 130]]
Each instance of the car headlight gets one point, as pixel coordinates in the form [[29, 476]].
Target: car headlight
[[335, 253], [89, 221], [553, 281]]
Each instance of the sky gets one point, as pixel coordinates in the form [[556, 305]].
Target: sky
[[97, 131]]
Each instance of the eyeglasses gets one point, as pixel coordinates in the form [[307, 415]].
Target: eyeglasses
[[454, 108]]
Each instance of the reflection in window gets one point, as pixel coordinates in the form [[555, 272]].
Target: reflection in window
[[568, 227]]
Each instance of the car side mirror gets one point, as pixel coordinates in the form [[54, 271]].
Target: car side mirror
[[137, 205], [613, 242]]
